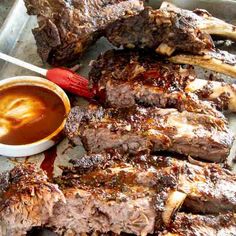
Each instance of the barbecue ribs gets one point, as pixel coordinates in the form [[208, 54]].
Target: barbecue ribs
[[138, 195], [150, 129], [169, 29], [67, 28], [123, 78]]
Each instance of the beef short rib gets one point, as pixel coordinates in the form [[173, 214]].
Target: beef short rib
[[140, 194], [161, 30], [123, 78], [150, 129], [67, 28]]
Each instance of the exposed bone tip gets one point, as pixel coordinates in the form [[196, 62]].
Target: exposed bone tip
[[173, 203]]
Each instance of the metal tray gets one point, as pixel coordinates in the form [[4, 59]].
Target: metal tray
[[17, 40]]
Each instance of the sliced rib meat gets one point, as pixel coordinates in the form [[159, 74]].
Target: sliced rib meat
[[123, 78], [137, 194], [209, 188], [27, 199], [110, 192], [67, 28], [150, 129], [105, 193]]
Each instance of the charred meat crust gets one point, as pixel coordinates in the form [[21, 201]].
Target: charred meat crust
[[164, 31], [150, 129], [65, 32], [205, 21]]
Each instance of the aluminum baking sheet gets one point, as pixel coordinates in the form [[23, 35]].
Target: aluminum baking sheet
[[17, 40]]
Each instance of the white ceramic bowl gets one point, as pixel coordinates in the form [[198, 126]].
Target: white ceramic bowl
[[47, 142]]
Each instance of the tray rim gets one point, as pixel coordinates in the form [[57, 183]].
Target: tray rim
[[10, 30]]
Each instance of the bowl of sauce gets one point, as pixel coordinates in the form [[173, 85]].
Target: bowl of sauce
[[33, 113]]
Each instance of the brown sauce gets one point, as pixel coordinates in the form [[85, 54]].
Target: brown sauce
[[28, 114]]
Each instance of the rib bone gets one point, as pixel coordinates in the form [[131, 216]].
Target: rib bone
[[219, 61], [222, 94]]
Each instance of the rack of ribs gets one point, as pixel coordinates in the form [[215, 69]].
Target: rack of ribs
[[149, 129], [67, 28], [62, 36], [122, 78]]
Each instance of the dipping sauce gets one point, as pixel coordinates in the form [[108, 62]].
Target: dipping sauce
[[29, 113]]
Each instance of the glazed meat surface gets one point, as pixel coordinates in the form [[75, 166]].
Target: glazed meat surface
[[123, 78], [67, 28], [27, 199], [149, 129]]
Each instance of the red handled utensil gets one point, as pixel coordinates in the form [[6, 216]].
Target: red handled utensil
[[63, 77]]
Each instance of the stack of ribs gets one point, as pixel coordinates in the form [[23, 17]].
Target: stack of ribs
[[155, 135], [67, 28], [125, 183]]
